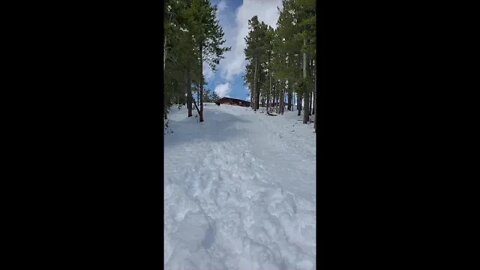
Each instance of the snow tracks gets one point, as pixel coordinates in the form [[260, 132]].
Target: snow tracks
[[223, 208]]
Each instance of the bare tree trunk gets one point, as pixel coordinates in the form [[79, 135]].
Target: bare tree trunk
[[314, 99], [251, 98], [201, 84], [306, 109], [274, 96], [315, 103], [257, 100], [277, 97], [299, 103], [312, 93], [189, 93], [268, 101], [269, 91], [255, 86], [310, 99], [164, 61], [282, 98], [289, 102], [294, 99], [164, 52]]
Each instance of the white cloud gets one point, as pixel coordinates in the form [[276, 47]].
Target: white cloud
[[221, 6], [223, 89], [234, 62], [207, 71]]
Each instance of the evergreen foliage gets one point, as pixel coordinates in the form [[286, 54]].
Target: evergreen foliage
[[192, 36], [280, 62]]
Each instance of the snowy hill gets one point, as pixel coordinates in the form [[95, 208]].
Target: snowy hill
[[239, 190]]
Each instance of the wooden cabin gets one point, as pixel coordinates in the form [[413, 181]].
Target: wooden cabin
[[233, 101]]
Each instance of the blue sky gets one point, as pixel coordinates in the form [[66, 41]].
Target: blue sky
[[233, 16]]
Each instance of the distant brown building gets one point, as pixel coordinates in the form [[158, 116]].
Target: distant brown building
[[233, 101]]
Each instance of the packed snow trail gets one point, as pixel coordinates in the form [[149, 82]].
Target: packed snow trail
[[239, 191]]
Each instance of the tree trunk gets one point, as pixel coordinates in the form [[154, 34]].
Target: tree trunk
[[164, 52], [312, 93], [289, 104], [279, 102], [269, 91], [282, 101], [255, 86], [315, 103], [277, 97], [251, 98], [314, 99], [198, 96], [294, 99], [306, 109], [257, 99], [310, 102], [268, 101], [189, 93], [274, 96], [299, 103], [201, 84]]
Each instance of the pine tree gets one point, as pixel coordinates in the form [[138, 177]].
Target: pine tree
[[256, 56], [192, 35], [207, 37]]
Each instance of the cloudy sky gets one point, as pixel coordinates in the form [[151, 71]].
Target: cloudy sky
[[233, 16]]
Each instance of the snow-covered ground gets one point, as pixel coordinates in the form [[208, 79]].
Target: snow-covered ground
[[239, 190]]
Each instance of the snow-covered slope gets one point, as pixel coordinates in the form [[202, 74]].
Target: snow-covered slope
[[239, 191]]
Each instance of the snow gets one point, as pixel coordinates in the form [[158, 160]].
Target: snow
[[239, 190]]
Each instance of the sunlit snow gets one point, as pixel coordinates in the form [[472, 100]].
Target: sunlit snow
[[239, 190]]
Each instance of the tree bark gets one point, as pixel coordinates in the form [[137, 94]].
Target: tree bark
[[299, 103], [164, 51], [315, 103], [251, 98], [201, 84], [274, 96], [268, 101], [306, 109], [312, 93], [269, 91], [277, 97], [257, 99], [289, 102], [282, 101], [310, 102], [255, 86], [294, 99], [189, 93]]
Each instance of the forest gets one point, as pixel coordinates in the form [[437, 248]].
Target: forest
[[239, 184], [281, 68], [192, 36]]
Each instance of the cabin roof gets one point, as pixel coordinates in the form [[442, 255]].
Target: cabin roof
[[235, 100]]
